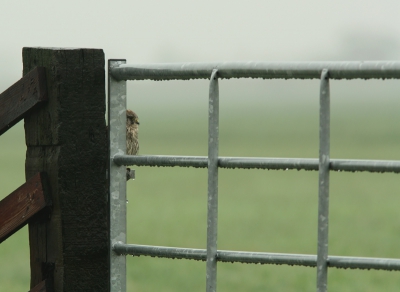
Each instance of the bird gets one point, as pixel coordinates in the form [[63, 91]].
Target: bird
[[132, 133]]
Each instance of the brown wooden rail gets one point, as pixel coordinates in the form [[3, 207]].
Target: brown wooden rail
[[21, 205], [21, 97], [44, 286]]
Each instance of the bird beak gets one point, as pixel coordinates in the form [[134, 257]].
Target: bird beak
[[137, 122]]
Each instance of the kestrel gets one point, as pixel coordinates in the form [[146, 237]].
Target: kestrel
[[132, 141], [132, 129]]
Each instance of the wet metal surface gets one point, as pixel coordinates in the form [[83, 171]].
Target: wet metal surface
[[323, 183], [267, 70], [117, 177], [212, 201], [257, 257], [119, 71], [350, 165]]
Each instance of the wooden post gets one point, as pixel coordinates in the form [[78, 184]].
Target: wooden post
[[67, 139]]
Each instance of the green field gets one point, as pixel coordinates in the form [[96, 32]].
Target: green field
[[259, 210]]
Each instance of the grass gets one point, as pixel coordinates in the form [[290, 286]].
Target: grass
[[259, 210]]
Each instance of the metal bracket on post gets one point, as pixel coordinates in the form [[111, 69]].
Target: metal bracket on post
[[130, 174], [117, 176]]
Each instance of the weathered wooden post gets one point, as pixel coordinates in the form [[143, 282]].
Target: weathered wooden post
[[66, 138]]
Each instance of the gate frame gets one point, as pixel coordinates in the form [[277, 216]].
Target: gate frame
[[119, 72]]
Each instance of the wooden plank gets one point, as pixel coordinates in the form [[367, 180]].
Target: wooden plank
[[21, 205], [22, 97], [66, 138], [44, 286]]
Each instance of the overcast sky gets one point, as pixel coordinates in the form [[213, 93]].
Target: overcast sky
[[184, 30]]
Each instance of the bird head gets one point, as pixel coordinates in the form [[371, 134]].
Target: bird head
[[132, 118]]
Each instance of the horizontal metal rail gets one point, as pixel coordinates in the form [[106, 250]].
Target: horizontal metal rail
[[119, 72], [257, 257], [351, 165], [266, 70]]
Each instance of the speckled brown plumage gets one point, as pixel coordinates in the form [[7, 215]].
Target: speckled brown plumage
[[132, 141], [132, 129]]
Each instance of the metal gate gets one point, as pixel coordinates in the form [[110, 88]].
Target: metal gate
[[119, 72]]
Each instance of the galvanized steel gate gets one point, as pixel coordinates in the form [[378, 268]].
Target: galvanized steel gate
[[119, 72]]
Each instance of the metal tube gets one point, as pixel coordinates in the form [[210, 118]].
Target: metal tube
[[323, 190], [160, 251], [161, 160], [364, 263], [350, 165], [365, 165], [268, 163], [212, 209], [257, 257], [267, 70], [117, 176]]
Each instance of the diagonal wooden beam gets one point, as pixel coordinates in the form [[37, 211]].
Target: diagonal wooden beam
[[22, 97], [44, 286], [21, 205]]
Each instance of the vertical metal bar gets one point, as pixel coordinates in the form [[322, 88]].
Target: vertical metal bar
[[117, 177], [323, 190], [212, 209]]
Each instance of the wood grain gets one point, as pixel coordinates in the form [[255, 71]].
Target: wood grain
[[21, 205], [66, 138], [44, 286], [22, 97]]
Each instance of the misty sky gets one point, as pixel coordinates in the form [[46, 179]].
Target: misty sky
[[179, 31]]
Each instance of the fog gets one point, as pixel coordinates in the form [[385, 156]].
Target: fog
[[196, 31]]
